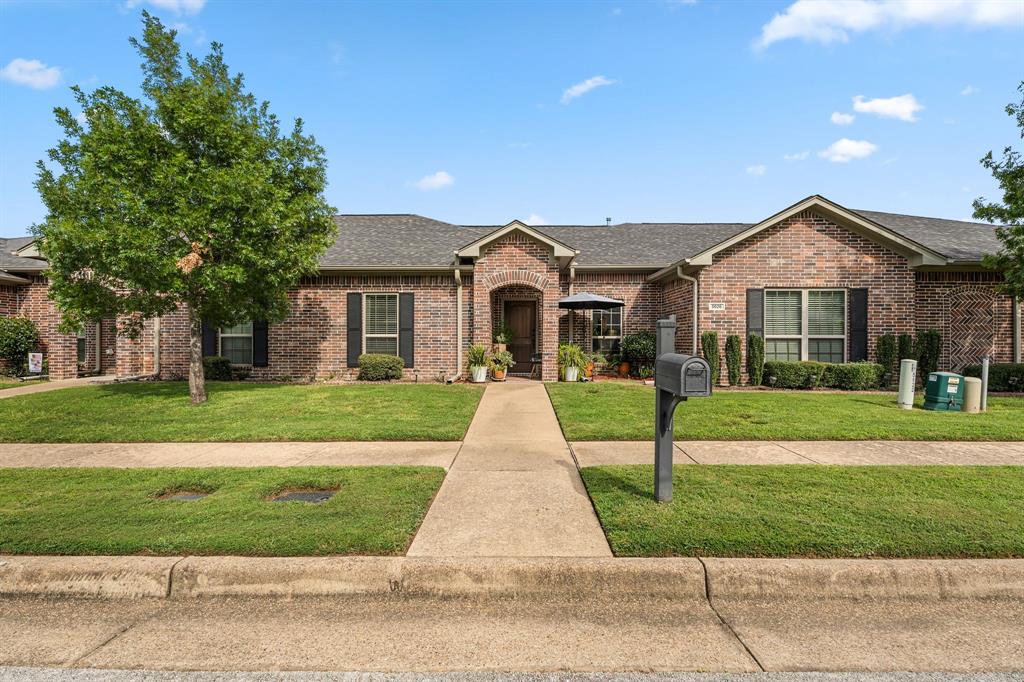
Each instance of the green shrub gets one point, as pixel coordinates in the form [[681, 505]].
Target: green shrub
[[571, 355], [379, 367], [639, 348], [18, 338], [929, 347], [780, 374], [476, 356], [906, 348], [709, 349], [755, 359], [853, 376], [216, 368], [733, 353], [1002, 376], [886, 352]]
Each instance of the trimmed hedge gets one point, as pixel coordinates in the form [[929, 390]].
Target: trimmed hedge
[[733, 351], [709, 348], [1002, 376], [216, 368], [379, 367], [639, 347], [886, 351], [852, 376], [18, 338], [928, 347], [755, 359]]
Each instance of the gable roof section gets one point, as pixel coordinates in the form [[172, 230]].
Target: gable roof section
[[959, 240], [472, 250], [11, 262]]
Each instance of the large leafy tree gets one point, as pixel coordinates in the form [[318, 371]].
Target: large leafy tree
[[1009, 214], [191, 196]]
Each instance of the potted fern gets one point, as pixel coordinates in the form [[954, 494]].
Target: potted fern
[[500, 364], [477, 360], [571, 359]]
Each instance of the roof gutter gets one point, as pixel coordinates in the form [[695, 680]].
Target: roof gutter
[[696, 308]]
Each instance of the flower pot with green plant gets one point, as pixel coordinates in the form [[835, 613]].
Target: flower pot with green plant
[[502, 338], [594, 362], [501, 361], [571, 359], [476, 358]]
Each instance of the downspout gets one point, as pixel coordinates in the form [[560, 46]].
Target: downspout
[[99, 349], [458, 326], [156, 347], [572, 314], [1016, 329], [696, 308]]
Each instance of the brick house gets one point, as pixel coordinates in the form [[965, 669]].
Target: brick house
[[817, 280]]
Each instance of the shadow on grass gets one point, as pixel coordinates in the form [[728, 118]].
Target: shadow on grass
[[608, 479]]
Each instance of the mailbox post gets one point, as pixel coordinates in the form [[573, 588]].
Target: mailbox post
[[676, 378]]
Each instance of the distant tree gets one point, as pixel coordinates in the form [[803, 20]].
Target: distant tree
[[1009, 172], [191, 197]]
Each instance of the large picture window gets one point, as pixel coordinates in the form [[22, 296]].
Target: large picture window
[[805, 324], [380, 324], [606, 330], [236, 343]]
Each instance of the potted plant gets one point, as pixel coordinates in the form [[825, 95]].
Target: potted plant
[[502, 338], [477, 361], [594, 360], [500, 363], [571, 359]]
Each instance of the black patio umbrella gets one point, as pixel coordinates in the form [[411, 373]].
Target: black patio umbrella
[[585, 301]]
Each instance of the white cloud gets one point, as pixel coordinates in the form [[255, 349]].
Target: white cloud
[[834, 21], [903, 107], [841, 119], [969, 90], [845, 150], [176, 6], [438, 180], [798, 156], [583, 88], [759, 169], [32, 73], [535, 219]]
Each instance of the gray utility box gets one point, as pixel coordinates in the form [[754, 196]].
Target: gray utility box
[[686, 376]]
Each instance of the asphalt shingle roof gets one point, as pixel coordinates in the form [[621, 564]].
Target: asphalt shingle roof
[[415, 241]]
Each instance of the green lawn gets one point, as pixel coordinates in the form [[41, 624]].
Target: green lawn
[[161, 412], [118, 511], [624, 411], [813, 511]]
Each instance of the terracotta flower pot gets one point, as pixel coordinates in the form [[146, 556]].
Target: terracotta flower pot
[[588, 371], [499, 375], [623, 369]]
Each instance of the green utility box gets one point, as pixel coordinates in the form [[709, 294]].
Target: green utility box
[[944, 392]]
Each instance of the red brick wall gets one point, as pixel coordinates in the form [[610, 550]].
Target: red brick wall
[[643, 301], [519, 260], [678, 299], [7, 300], [973, 318], [807, 251], [61, 350]]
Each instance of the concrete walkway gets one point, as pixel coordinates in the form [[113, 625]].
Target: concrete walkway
[[598, 453], [514, 489], [44, 386], [123, 455]]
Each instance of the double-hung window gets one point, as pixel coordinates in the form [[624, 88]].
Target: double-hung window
[[606, 330], [805, 324], [236, 343], [380, 323]]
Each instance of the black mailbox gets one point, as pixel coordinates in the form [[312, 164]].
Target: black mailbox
[[684, 375]]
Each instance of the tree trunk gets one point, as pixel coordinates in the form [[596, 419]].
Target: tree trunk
[[196, 378]]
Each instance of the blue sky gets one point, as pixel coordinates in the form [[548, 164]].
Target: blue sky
[[572, 112]]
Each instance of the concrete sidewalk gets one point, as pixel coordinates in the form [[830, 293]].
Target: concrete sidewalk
[[598, 453], [513, 489], [123, 455], [44, 386]]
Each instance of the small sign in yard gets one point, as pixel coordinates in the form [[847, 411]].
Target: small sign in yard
[[35, 363]]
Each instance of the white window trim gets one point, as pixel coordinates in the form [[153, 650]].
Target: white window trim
[[398, 320], [805, 338], [596, 336], [220, 338]]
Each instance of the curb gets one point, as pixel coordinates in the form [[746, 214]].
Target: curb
[[544, 578]]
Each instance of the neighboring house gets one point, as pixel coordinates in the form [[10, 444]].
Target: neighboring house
[[817, 280]]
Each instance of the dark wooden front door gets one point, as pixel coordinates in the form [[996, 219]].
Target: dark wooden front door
[[521, 317]]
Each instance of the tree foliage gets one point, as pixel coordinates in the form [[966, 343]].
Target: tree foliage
[[190, 196], [1008, 214]]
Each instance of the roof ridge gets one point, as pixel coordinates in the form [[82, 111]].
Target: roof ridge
[[923, 217]]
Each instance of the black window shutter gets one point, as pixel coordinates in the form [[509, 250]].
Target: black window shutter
[[858, 324], [354, 310], [405, 328], [259, 344], [755, 312], [209, 340]]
